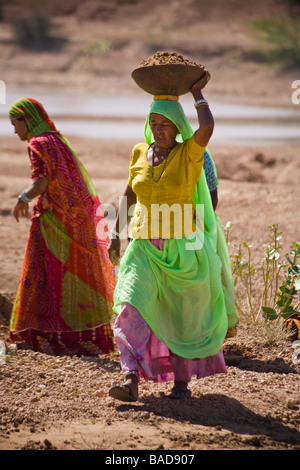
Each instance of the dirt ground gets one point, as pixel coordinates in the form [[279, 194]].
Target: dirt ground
[[62, 403]]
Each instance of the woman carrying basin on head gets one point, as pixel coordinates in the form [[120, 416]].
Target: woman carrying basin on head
[[64, 299], [172, 310]]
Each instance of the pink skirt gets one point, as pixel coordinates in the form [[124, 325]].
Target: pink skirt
[[140, 350]]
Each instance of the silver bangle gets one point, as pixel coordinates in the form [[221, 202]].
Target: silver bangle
[[131, 372], [24, 198], [197, 103]]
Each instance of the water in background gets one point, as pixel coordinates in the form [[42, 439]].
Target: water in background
[[122, 118]]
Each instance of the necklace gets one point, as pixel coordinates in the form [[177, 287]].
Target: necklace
[[164, 166]]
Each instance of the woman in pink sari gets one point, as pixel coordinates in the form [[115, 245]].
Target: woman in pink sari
[[63, 304]]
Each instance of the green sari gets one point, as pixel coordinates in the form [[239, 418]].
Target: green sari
[[184, 295]]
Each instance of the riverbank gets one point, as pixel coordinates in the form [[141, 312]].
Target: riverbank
[[121, 118], [94, 47]]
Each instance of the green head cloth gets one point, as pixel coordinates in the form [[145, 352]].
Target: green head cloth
[[171, 110], [34, 114]]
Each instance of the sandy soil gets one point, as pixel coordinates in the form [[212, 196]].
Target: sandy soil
[[62, 403], [52, 403]]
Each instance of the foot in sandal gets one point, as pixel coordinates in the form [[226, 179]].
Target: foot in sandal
[[180, 391], [126, 392]]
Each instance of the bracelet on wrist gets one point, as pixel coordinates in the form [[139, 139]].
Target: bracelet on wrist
[[200, 102], [24, 198], [131, 372]]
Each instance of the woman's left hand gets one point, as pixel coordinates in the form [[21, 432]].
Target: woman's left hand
[[21, 209], [114, 251]]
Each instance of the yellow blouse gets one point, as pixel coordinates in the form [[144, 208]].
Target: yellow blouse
[[165, 206]]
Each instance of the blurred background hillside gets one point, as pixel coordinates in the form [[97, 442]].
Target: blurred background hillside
[[252, 49]]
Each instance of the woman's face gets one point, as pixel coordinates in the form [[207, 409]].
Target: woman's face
[[21, 128], [164, 131]]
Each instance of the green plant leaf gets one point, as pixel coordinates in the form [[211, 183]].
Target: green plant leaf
[[269, 313], [288, 311]]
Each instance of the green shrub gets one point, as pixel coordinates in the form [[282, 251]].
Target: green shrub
[[279, 285], [97, 48], [282, 35], [35, 31]]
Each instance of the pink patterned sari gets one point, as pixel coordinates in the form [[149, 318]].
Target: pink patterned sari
[[141, 351], [64, 299]]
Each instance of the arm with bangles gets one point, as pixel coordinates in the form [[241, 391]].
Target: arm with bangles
[[206, 122], [205, 117], [37, 187], [123, 218]]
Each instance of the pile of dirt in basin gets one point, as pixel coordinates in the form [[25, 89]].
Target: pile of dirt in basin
[[164, 57]]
